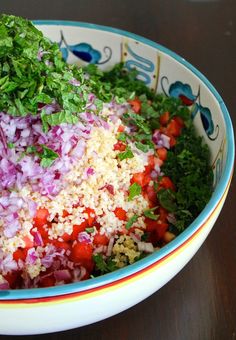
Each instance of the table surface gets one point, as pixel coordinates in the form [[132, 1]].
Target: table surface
[[200, 302]]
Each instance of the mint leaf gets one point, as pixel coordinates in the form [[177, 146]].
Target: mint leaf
[[134, 190], [131, 221], [89, 230], [48, 156], [10, 145], [126, 154], [149, 213], [142, 147], [122, 136], [167, 199]]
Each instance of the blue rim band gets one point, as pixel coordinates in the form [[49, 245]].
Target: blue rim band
[[19, 294]]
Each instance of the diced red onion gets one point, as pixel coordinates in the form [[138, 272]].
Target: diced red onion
[[109, 187], [110, 246], [62, 275], [84, 237], [146, 247]]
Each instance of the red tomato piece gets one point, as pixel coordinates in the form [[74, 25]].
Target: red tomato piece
[[65, 213], [100, 239], [28, 242], [41, 217], [78, 229], [179, 120], [151, 195], [91, 216], [47, 281], [135, 104], [119, 146], [62, 245], [174, 128], [164, 118], [141, 178], [121, 214], [82, 253], [20, 254], [166, 183], [121, 128], [14, 279], [162, 214], [162, 153], [156, 229], [161, 229]]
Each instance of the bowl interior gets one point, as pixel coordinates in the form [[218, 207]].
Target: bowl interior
[[163, 71]]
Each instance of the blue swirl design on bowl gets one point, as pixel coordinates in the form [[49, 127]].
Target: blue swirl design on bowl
[[84, 51], [141, 64], [188, 98], [184, 92]]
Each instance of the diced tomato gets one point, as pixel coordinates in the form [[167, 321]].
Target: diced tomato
[[82, 253], [136, 105], [78, 229], [121, 214], [13, 278], [66, 237], [100, 239], [162, 153], [62, 245], [140, 178], [162, 214], [41, 217], [119, 146], [47, 281], [179, 120], [121, 128], [91, 216], [164, 118], [156, 229], [20, 254], [151, 195], [43, 232], [161, 229], [166, 183], [174, 128], [172, 141], [28, 242], [65, 213], [151, 164]]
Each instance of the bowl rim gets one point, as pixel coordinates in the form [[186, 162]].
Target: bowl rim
[[142, 265]]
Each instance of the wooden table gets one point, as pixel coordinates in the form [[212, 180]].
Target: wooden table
[[200, 302]]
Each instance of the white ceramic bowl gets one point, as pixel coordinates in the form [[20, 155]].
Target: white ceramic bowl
[[58, 308]]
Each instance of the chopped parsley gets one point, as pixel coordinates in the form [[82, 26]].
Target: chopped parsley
[[104, 266]]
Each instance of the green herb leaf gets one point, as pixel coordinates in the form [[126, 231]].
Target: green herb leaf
[[167, 199], [122, 136], [150, 214], [11, 145], [48, 156], [142, 147], [131, 221], [104, 266], [134, 190], [89, 230], [126, 154]]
